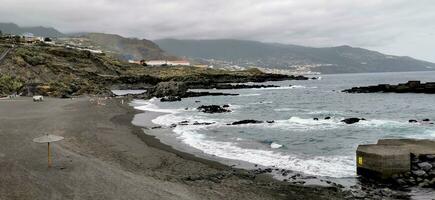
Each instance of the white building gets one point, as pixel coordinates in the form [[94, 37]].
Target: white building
[[30, 38], [178, 63], [156, 62], [168, 63]]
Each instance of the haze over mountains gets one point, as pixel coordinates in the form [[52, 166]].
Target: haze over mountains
[[228, 52], [341, 59], [125, 48], [11, 28]]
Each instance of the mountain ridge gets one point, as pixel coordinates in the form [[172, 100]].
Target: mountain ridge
[[12, 28], [339, 59]]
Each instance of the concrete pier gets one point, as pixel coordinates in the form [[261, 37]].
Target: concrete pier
[[390, 156]]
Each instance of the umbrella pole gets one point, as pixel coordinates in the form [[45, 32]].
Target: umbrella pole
[[49, 156]]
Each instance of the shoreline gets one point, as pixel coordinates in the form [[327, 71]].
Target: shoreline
[[154, 141], [353, 184], [105, 156], [171, 144]]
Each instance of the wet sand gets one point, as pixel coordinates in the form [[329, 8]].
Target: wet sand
[[104, 156]]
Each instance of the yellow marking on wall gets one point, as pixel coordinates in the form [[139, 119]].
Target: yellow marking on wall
[[360, 160]]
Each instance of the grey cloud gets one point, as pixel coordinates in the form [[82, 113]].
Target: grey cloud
[[401, 27]]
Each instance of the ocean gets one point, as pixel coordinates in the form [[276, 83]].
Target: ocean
[[295, 141]]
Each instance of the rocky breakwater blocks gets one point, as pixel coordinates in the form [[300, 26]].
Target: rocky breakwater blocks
[[382, 161]]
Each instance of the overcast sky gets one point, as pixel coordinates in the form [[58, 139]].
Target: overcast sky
[[400, 27]]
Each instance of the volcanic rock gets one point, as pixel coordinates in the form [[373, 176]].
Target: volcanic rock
[[352, 120], [213, 109], [247, 121]]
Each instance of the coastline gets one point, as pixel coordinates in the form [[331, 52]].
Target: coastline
[[104, 156]]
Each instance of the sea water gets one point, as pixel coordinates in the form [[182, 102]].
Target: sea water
[[295, 141]]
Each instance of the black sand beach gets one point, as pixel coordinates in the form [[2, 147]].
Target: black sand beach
[[104, 156]]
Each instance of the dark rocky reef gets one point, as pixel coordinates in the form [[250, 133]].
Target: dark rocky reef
[[213, 109], [233, 86], [170, 99], [352, 120], [174, 91], [170, 88], [247, 121], [200, 94], [409, 87]]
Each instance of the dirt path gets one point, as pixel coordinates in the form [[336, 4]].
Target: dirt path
[[4, 54]]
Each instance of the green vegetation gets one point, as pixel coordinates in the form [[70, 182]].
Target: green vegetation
[[9, 85]]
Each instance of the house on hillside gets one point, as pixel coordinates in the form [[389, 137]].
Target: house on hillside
[[178, 63], [167, 63], [31, 39], [156, 62]]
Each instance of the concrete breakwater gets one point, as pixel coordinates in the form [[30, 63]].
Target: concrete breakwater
[[405, 162], [409, 87]]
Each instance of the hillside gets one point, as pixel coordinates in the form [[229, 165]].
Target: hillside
[[62, 72], [11, 28], [120, 47], [342, 59]]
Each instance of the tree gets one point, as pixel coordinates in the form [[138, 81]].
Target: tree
[[9, 85], [17, 39]]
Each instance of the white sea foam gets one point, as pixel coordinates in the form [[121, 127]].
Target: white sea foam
[[262, 102], [297, 123], [283, 109], [381, 123], [274, 145], [301, 124], [427, 134], [148, 105], [249, 95], [334, 166]]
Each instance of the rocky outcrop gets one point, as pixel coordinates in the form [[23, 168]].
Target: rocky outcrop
[[200, 94], [352, 120], [170, 99], [409, 87], [247, 121], [170, 88], [233, 86], [213, 109]]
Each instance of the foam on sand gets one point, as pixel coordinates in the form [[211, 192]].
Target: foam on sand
[[148, 105], [317, 165]]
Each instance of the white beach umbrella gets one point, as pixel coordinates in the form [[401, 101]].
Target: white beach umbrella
[[47, 139]]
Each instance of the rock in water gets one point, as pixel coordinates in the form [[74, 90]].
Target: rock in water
[[247, 121], [412, 121], [170, 88], [170, 99], [352, 120], [213, 109]]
